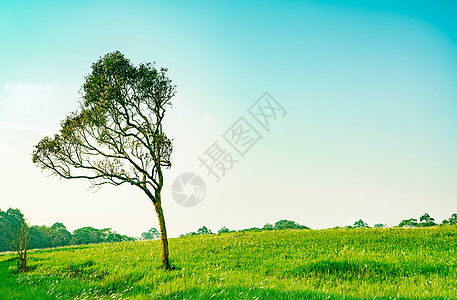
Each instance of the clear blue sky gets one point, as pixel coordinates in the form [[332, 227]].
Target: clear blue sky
[[369, 87]]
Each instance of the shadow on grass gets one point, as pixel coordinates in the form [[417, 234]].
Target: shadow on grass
[[371, 270], [259, 293]]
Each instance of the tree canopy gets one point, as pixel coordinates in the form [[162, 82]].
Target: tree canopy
[[116, 136]]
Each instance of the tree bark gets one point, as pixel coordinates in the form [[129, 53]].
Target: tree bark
[[163, 233], [24, 262]]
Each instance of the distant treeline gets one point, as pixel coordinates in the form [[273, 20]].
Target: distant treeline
[[283, 224], [424, 221], [55, 236]]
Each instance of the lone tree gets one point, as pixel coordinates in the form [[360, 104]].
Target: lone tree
[[20, 239], [15, 235], [116, 135]]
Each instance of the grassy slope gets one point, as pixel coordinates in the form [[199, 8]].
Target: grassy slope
[[293, 264]]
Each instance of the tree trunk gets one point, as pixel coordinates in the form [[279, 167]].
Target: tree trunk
[[163, 233], [24, 262]]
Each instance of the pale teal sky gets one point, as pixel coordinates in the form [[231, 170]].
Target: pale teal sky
[[370, 90]]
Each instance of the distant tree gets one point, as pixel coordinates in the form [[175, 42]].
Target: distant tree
[[4, 229], [86, 235], [41, 237], [189, 234], [223, 230], [15, 235], [379, 225], [251, 229], [20, 238], [108, 235], [204, 230], [360, 224], [408, 223], [426, 221], [451, 221], [90, 235], [60, 236], [268, 226], [116, 136], [286, 224], [10, 223], [14, 218], [151, 234]]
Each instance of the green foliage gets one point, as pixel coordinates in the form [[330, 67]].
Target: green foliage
[[151, 234], [60, 235], [451, 221], [188, 234], [86, 235], [250, 229], [356, 264], [426, 221], [380, 225], [55, 236], [408, 223], [40, 237], [11, 222], [90, 235], [204, 230], [116, 136], [223, 230], [286, 224], [15, 236], [4, 228], [268, 226], [201, 230], [48, 237], [360, 224], [108, 235]]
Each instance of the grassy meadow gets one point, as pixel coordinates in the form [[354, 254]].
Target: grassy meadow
[[388, 263]]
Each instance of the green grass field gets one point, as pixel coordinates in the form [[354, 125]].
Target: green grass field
[[392, 263]]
